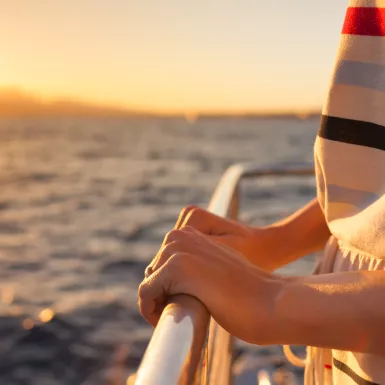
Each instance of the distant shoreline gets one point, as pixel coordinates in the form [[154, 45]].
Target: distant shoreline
[[18, 104], [160, 116]]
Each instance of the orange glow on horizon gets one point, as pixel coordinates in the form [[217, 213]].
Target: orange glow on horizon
[[14, 98], [212, 58]]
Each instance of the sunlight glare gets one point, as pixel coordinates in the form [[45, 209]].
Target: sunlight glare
[[263, 378], [46, 315]]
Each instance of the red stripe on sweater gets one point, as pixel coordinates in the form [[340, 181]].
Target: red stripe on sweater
[[364, 21]]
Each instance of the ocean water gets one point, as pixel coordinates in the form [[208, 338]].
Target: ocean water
[[84, 205]]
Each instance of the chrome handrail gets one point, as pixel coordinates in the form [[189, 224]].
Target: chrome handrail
[[178, 344]]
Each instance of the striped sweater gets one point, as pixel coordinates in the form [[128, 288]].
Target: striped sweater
[[350, 146], [350, 169]]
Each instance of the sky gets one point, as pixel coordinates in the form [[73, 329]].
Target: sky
[[173, 55]]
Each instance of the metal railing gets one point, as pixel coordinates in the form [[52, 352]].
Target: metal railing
[[187, 348]]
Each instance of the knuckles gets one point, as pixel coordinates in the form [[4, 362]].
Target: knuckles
[[179, 235], [170, 248], [188, 229], [172, 236], [177, 263], [176, 241]]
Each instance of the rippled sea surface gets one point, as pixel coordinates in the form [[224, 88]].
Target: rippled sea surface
[[84, 205]]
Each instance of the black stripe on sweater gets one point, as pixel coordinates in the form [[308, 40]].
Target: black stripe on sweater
[[353, 375], [352, 132]]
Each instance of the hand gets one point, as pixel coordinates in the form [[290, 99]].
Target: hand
[[238, 295], [253, 243]]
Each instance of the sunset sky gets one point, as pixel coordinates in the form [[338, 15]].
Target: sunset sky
[[173, 55]]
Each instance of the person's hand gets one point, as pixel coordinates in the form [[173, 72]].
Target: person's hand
[[238, 295], [253, 243]]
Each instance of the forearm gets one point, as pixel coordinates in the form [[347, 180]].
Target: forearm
[[343, 311], [300, 234]]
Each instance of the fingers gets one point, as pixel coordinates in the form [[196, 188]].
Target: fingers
[[202, 220], [199, 219], [165, 252], [152, 296], [182, 216], [168, 251], [167, 239], [166, 281], [190, 217]]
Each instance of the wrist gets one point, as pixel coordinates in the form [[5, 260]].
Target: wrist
[[273, 244], [295, 317], [268, 326]]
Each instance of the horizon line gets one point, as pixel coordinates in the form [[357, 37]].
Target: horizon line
[[34, 104]]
